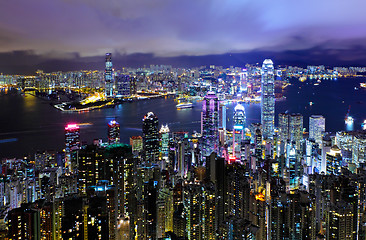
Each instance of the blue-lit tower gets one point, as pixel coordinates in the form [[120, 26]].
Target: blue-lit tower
[[267, 99], [108, 75], [210, 124], [238, 131]]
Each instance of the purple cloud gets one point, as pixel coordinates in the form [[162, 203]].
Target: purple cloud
[[171, 28]]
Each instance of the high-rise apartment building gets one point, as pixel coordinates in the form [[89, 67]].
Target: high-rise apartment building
[[267, 99]]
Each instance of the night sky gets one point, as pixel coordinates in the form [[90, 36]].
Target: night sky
[[73, 34]]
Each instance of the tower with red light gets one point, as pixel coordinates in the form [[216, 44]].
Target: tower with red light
[[72, 143]]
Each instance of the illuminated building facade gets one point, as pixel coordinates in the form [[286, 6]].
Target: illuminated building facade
[[123, 88], [150, 136], [334, 161], [239, 128], [210, 124], [113, 132], [291, 128], [267, 99], [108, 76], [316, 128], [72, 143], [164, 133], [136, 143]]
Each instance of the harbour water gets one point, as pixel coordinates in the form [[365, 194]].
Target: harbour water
[[28, 124]]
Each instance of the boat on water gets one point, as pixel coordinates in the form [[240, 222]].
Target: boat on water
[[363, 85], [184, 105], [348, 119], [363, 125]]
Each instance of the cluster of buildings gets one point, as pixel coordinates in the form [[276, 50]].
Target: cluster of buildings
[[257, 181]]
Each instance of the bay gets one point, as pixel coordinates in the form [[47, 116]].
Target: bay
[[28, 124]]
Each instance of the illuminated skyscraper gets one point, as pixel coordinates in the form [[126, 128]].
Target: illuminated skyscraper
[[295, 129], [108, 75], [72, 142], [150, 136], [210, 124], [113, 132], [164, 131], [283, 127], [291, 128], [316, 128], [267, 99], [238, 132]]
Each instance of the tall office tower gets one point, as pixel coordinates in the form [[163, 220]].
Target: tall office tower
[[113, 132], [295, 128], [334, 161], [359, 148], [108, 75], [150, 137], [222, 117], [267, 99], [326, 146], [164, 133], [283, 127], [316, 128], [239, 124], [291, 128], [210, 124], [123, 86], [72, 142]]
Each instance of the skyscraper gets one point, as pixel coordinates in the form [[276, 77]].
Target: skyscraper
[[316, 128], [164, 131], [210, 124], [283, 127], [291, 128], [72, 143], [150, 136], [113, 132], [267, 99], [108, 75], [295, 129], [238, 132]]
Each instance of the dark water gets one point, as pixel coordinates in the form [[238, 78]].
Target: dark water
[[28, 124]]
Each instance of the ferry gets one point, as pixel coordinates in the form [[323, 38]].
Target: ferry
[[184, 105], [348, 119]]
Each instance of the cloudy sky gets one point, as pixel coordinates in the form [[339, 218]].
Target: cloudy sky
[[66, 29]]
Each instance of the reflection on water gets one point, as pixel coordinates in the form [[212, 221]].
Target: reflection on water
[[37, 125]]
